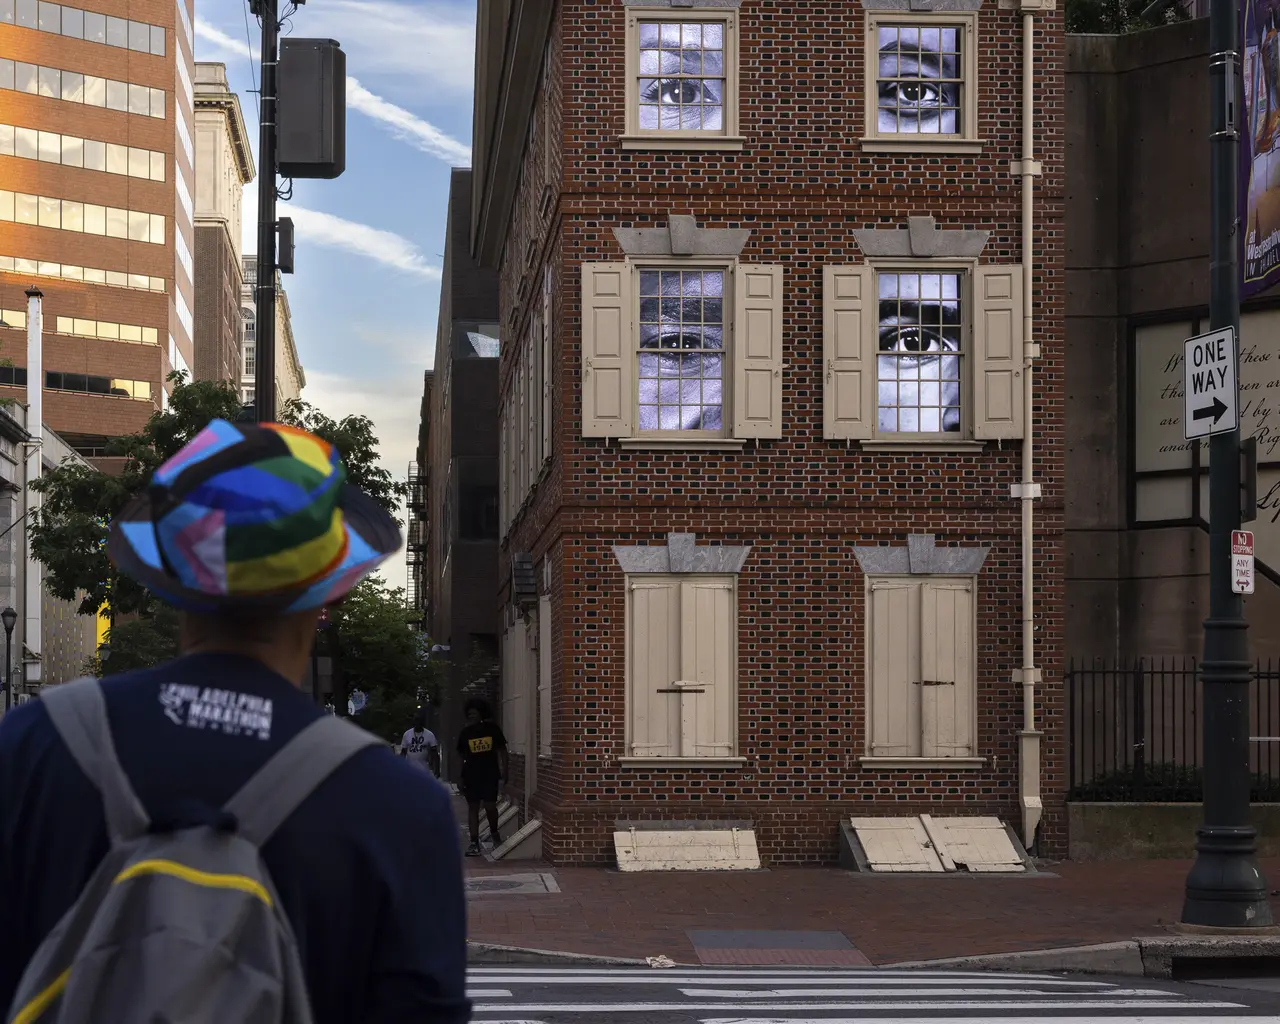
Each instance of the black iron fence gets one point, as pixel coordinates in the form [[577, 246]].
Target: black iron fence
[[1134, 730]]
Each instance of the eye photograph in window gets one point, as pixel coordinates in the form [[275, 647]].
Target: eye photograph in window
[[681, 379], [918, 366], [682, 76], [919, 81]]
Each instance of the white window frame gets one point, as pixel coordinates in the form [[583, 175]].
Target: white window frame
[[868, 758], [966, 269], [734, 758], [727, 138], [968, 140]]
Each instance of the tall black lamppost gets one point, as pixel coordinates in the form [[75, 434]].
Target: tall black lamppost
[[10, 619]]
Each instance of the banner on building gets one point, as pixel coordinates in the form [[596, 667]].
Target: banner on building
[[1259, 196]]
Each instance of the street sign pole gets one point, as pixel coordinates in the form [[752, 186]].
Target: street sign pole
[[1225, 887]]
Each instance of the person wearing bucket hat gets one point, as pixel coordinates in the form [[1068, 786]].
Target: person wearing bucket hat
[[250, 531]]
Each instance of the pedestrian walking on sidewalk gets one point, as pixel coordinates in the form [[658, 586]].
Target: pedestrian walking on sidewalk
[[483, 750], [231, 851], [420, 746]]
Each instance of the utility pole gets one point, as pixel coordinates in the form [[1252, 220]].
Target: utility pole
[[1225, 888], [264, 378]]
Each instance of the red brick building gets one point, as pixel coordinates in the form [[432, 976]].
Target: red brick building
[[768, 312]]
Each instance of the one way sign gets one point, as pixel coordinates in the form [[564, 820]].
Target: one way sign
[[1210, 399]]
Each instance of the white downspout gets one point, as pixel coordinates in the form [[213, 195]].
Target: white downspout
[[1028, 168]]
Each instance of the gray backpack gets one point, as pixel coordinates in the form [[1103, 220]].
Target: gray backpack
[[185, 927]]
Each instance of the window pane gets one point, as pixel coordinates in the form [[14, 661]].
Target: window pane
[[141, 389], [95, 155], [139, 100], [108, 330], [72, 215], [117, 158], [683, 76], [139, 226], [157, 103], [918, 369], [156, 161], [157, 230], [50, 212], [157, 39], [51, 83], [46, 269], [139, 163], [149, 336], [26, 143], [95, 220], [95, 27], [72, 22], [73, 87], [72, 151], [117, 32], [26, 78], [6, 12], [116, 279], [50, 148], [117, 95], [50, 17], [130, 332], [919, 83], [117, 223], [95, 91], [6, 139], [139, 37], [94, 276], [71, 273], [681, 360], [84, 328], [28, 12], [6, 73]]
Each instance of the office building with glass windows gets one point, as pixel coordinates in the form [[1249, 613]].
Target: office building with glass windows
[[97, 169]]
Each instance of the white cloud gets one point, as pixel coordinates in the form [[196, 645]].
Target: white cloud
[[220, 40], [407, 127], [385, 247]]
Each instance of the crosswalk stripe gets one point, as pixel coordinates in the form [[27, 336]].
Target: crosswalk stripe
[[1022, 991], [672, 977], [735, 972], [487, 993], [958, 1004], [952, 1020]]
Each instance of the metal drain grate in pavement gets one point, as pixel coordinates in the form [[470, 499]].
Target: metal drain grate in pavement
[[776, 948], [540, 883]]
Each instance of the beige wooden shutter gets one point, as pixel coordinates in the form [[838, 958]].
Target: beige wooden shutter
[[653, 659], [756, 353], [947, 705], [849, 333], [997, 352], [544, 675], [708, 639], [608, 362], [546, 364], [895, 669], [533, 388]]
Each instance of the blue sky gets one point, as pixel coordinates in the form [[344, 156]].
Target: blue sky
[[365, 292]]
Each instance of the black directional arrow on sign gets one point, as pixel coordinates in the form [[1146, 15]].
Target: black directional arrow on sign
[[1216, 410]]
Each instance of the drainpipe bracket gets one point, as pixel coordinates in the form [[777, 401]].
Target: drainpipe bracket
[[1028, 6], [1024, 491], [1022, 168], [1031, 350], [1028, 675]]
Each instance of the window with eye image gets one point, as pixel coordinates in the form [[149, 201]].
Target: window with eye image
[[682, 356], [920, 80], [682, 76], [920, 352]]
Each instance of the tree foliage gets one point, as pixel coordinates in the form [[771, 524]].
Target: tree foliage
[[1118, 17], [141, 641], [69, 532]]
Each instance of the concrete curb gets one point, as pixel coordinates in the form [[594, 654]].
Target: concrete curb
[[1149, 957]]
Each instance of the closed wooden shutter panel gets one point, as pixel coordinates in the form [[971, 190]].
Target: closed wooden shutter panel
[[947, 666], [608, 362], [708, 718], [997, 348], [544, 675], [546, 365], [895, 669], [756, 355], [849, 335], [653, 650]]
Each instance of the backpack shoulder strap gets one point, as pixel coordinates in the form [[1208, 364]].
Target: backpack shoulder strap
[[293, 774], [78, 711]]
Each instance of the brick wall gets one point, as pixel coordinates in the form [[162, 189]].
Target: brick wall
[[802, 185], [217, 311]]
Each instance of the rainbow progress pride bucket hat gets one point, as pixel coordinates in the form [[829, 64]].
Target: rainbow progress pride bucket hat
[[252, 515]]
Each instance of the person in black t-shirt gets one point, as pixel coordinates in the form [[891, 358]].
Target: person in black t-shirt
[[483, 750]]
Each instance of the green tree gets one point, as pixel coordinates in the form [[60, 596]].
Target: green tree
[[141, 641], [355, 438], [1118, 17]]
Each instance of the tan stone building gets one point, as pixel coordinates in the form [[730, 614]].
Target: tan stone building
[[290, 378], [97, 164], [224, 165]]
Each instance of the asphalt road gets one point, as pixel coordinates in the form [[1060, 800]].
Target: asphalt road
[[559, 995]]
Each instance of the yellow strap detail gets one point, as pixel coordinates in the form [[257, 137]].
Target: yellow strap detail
[[170, 867], [43, 1001]]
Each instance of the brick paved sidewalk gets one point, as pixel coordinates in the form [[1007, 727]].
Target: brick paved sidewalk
[[889, 919]]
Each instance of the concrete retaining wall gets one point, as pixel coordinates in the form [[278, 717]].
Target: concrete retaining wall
[[1129, 831]]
